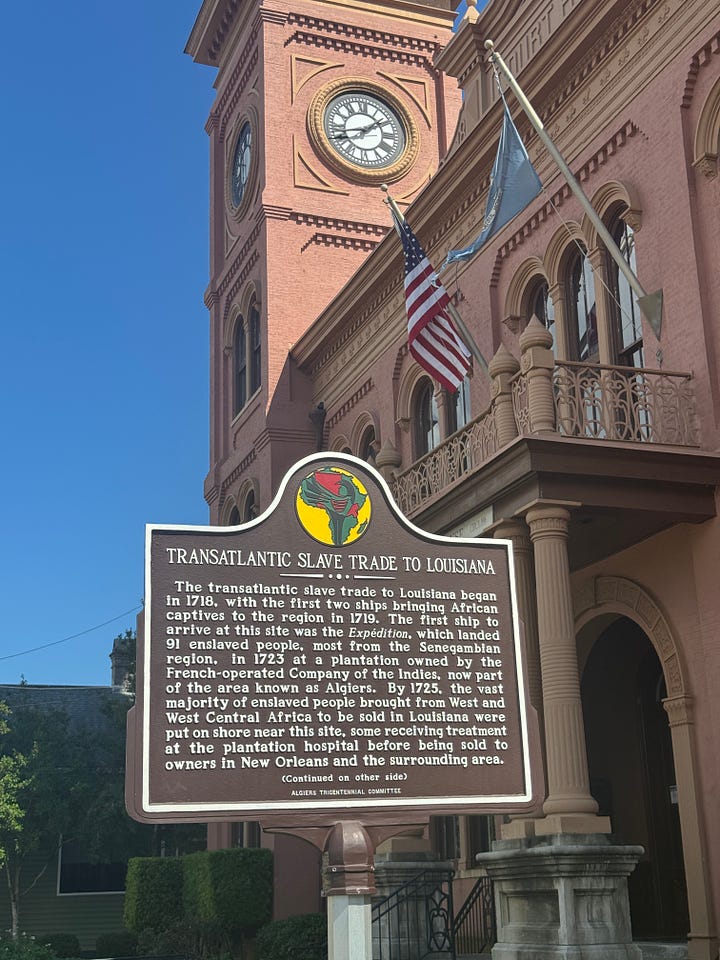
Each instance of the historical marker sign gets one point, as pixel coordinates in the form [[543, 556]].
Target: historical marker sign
[[328, 658]]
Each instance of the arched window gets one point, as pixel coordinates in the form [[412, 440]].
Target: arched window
[[366, 450], [249, 508], [234, 518], [240, 361], [459, 407], [255, 347], [627, 324], [247, 356], [542, 307], [583, 335], [426, 418]]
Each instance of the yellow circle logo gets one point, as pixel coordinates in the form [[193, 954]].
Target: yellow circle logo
[[333, 506]]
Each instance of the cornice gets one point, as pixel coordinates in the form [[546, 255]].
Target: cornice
[[237, 471], [702, 58], [333, 223], [362, 35], [212, 26], [238, 89], [343, 243], [240, 282], [338, 44], [218, 18], [349, 404], [238, 260]]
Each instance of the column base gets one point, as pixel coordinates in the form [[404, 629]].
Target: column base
[[562, 897], [570, 823]]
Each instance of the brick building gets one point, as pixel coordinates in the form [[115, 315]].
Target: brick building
[[592, 442]]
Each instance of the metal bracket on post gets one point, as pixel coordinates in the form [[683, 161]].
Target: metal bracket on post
[[350, 874]]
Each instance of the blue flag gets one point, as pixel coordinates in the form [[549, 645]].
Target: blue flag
[[513, 184]]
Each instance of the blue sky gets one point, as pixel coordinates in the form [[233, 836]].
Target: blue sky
[[103, 264]]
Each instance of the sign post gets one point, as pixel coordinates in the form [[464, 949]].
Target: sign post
[[332, 670]]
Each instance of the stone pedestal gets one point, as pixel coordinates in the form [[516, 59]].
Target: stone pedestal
[[562, 897]]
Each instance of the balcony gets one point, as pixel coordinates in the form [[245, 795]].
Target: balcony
[[590, 433]]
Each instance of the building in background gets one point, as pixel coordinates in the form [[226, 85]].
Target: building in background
[[592, 442]]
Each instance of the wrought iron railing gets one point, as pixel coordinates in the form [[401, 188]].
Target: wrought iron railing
[[474, 927], [590, 401], [629, 404], [415, 921], [438, 470]]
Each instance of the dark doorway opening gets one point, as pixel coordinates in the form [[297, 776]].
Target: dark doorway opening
[[632, 775]]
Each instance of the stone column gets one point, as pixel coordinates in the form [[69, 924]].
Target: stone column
[[703, 937], [516, 531], [387, 460], [569, 807]]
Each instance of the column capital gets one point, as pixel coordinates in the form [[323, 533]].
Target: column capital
[[679, 711], [549, 517], [508, 528]]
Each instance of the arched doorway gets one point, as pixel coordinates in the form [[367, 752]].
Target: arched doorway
[[632, 773]]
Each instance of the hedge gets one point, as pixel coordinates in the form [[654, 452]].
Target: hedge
[[122, 943], [228, 889], [297, 938], [153, 894]]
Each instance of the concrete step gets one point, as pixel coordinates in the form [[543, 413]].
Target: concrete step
[[656, 950]]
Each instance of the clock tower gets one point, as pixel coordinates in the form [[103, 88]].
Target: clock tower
[[318, 103]]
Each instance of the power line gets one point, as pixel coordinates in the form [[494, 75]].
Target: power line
[[73, 636]]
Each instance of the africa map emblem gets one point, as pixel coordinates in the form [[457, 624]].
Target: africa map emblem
[[333, 506]]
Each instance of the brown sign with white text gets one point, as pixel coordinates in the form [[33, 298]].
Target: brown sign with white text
[[328, 658]]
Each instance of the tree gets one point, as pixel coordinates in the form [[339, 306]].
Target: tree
[[63, 782], [44, 777]]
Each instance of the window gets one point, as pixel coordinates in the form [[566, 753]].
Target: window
[[234, 518], [542, 306], [255, 348], [427, 420], [246, 834], [240, 355], [249, 510], [247, 353], [627, 325], [367, 450], [459, 407], [583, 335], [444, 837], [77, 873]]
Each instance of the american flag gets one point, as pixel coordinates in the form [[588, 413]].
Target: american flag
[[433, 340]]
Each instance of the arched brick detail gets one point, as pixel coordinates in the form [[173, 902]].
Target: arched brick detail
[[707, 135], [527, 271], [619, 595], [362, 423]]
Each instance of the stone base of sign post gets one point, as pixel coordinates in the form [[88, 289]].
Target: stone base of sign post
[[415, 923], [562, 897], [349, 928]]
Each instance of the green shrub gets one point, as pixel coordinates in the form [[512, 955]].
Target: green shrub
[[24, 948], [228, 890], [153, 894], [122, 943], [62, 944], [178, 941], [297, 938]]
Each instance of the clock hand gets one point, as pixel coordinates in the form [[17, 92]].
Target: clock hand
[[357, 132]]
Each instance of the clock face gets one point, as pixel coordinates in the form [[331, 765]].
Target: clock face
[[364, 130], [241, 164]]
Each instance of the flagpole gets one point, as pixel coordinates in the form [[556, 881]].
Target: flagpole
[[454, 315], [650, 304]]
